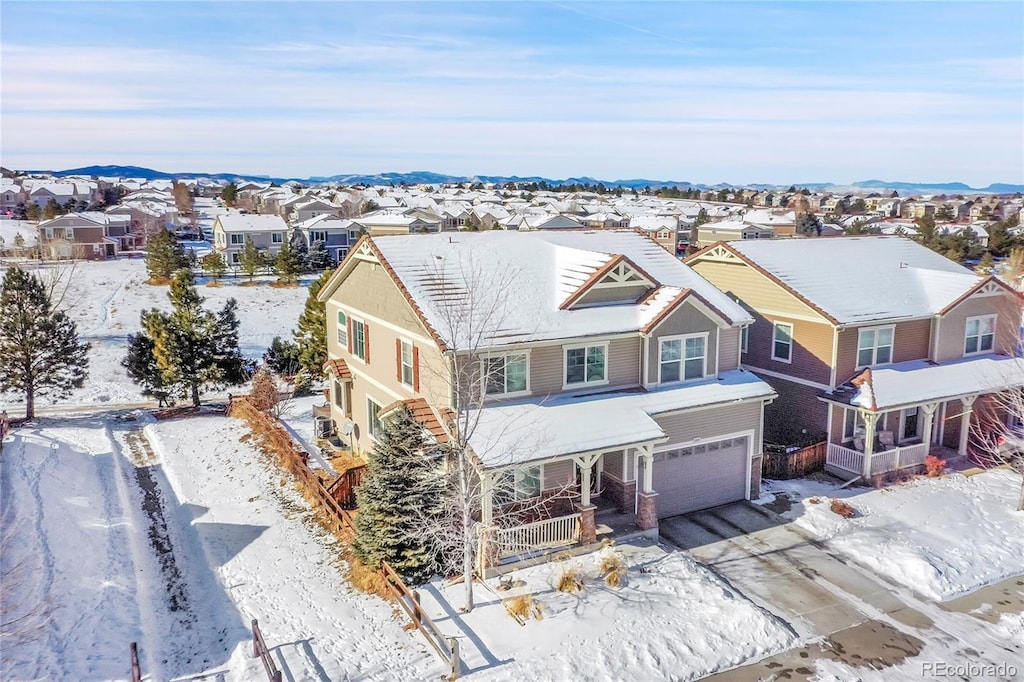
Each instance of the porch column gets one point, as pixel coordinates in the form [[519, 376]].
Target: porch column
[[588, 526], [647, 507], [487, 498], [965, 422], [870, 421], [929, 410]]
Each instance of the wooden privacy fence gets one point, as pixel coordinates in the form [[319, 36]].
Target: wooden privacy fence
[[343, 488], [279, 441], [446, 647], [783, 465]]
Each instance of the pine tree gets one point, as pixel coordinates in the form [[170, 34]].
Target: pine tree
[[311, 336], [282, 357], [143, 370], [250, 259], [404, 484], [214, 265], [40, 353], [229, 194], [318, 258], [288, 264], [300, 252], [193, 348], [809, 226], [163, 256]]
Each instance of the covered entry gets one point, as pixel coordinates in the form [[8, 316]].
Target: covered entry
[[701, 475]]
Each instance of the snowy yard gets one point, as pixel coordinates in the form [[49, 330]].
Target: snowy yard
[[105, 299], [939, 536], [178, 550], [671, 619]]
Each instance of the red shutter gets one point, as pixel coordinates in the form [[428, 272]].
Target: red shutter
[[398, 359], [416, 369], [348, 334], [366, 342]]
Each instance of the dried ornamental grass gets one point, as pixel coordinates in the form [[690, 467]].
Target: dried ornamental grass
[[613, 568], [842, 508], [523, 608]]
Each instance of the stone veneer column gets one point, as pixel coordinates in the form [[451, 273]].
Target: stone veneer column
[[647, 513], [627, 501], [588, 527]]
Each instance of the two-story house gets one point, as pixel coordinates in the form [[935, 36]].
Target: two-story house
[[232, 230], [337, 234], [878, 344], [80, 235], [593, 361]]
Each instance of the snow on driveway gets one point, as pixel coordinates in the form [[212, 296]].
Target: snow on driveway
[[671, 619], [277, 565], [939, 536]]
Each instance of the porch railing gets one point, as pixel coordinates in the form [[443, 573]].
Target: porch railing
[[881, 462], [560, 531]]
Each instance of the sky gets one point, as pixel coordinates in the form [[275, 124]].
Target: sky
[[761, 92]]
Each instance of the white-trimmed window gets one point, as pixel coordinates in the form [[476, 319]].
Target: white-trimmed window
[[586, 365], [317, 236], [235, 258], [237, 238], [339, 395], [277, 237], [909, 423], [682, 358], [359, 339], [407, 373], [853, 423], [517, 484], [342, 329], [744, 338], [506, 374], [373, 418], [874, 346], [782, 342], [980, 335]]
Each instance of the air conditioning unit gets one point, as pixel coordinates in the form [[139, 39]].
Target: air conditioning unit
[[322, 427]]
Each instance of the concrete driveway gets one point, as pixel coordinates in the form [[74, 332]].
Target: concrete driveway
[[781, 570]]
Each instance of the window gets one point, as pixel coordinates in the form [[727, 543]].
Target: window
[[237, 238], [682, 358], [342, 329], [235, 260], [317, 236], [339, 395], [405, 360], [782, 342], [506, 374], [663, 234], [909, 423], [585, 365], [373, 418], [359, 339], [744, 339], [517, 484], [874, 346], [853, 423], [980, 336], [276, 237]]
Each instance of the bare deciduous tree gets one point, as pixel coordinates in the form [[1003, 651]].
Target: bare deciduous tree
[[998, 433]]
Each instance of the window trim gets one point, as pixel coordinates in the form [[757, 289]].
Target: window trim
[[744, 338], [775, 328], [277, 237], [342, 334], [412, 363], [236, 242], [313, 236], [682, 356], [371, 418], [516, 472], [565, 365], [354, 321], [506, 394], [874, 348], [979, 318]]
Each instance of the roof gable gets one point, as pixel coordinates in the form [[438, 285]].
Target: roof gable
[[620, 274]]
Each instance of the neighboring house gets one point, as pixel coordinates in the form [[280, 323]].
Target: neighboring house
[[231, 230], [878, 344], [726, 230], [337, 234], [77, 235], [663, 229], [606, 366], [390, 222], [11, 195]]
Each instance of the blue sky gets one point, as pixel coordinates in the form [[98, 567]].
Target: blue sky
[[705, 92]]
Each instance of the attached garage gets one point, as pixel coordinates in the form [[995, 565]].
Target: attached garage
[[701, 476]]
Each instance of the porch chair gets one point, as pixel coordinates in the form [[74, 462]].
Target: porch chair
[[858, 443], [887, 440]]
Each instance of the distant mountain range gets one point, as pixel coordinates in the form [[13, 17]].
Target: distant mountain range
[[427, 177]]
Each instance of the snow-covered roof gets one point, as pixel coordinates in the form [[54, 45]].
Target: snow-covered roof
[[496, 288], [325, 221], [539, 429], [863, 279], [249, 222], [919, 381]]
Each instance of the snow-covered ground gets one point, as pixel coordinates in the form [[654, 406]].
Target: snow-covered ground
[[106, 298], [177, 549], [10, 229], [671, 619], [941, 537]]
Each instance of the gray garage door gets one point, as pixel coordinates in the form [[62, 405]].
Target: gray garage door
[[701, 476]]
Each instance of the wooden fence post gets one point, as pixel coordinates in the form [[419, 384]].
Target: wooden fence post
[[456, 664], [136, 668], [416, 608]]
